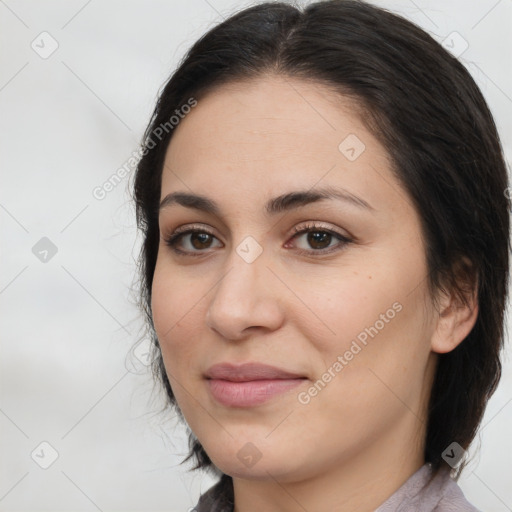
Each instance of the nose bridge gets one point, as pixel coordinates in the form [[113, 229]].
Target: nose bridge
[[240, 279], [242, 298]]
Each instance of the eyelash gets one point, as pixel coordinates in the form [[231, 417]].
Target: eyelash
[[173, 240]]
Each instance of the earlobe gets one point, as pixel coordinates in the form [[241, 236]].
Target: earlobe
[[455, 320]]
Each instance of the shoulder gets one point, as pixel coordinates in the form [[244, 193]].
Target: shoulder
[[452, 498], [426, 492], [219, 498], [422, 492]]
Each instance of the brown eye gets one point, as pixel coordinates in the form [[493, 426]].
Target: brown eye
[[319, 239], [316, 240], [191, 241], [200, 240]]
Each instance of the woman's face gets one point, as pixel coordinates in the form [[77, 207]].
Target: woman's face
[[311, 262]]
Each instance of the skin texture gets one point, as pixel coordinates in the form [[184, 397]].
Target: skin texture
[[362, 435]]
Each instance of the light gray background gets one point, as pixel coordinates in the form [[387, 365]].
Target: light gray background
[[67, 123]]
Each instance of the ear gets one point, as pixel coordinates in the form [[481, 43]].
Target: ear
[[457, 314]]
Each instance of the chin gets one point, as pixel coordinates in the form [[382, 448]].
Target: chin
[[251, 463]]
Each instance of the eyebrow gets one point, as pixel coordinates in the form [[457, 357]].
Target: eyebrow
[[282, 203]]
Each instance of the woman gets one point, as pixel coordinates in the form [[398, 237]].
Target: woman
[[325, 259]]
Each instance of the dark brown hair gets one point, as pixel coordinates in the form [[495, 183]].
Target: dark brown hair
[[427, 111]]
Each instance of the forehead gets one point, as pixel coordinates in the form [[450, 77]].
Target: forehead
[[271, 134], [274, 110]]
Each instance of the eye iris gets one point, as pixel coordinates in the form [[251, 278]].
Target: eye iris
[[315, 237], [201, 238]]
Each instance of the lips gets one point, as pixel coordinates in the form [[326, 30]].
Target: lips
[[249, 384], [248, 372]]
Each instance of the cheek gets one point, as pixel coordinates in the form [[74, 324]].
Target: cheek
[[370, 371], [175, 306], [343, 305], [372, 316]]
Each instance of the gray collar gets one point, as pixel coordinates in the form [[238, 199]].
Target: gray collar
[[420, 493]]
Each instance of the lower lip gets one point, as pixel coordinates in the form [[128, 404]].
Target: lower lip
[[250, 393]]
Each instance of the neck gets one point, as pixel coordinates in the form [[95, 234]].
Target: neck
[[360, 483]]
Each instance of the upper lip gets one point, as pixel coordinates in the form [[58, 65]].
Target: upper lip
[[248, 372]]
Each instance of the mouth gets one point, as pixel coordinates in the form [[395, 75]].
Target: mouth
[[249, 384]]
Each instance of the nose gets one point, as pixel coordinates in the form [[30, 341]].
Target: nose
[[246, 299]]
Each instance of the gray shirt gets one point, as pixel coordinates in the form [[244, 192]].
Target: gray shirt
[[420, 493]]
